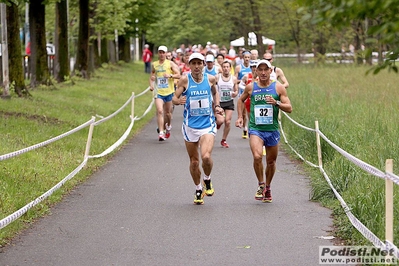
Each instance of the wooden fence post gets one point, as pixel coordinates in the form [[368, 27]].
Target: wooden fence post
[[318, 145], [389, 202], [133, 105], [89, 137]]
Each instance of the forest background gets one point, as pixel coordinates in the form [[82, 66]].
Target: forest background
[[96, 32]]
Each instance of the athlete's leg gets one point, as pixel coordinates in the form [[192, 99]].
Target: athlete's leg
[[256, 144], [271, 157], [168, 109], [227, 123], [206, 142], [192, 150], [159, 104]]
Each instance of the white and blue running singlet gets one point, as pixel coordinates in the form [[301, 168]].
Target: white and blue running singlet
[[243, 71], [213, 71], [198, 111]]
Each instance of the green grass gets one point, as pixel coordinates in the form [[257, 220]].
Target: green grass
[[359, 113], [54, 111]]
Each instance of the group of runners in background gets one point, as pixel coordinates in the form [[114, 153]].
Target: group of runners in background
[[207, 81]]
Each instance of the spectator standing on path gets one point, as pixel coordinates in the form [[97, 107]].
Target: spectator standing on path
[[198, 93], [161, 80], [147, 58], [227, 88], [277, 73], [267, 97]]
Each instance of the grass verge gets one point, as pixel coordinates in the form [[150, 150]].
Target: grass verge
[[54, 111], [357, 112]]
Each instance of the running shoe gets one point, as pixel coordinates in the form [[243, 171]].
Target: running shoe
[[259, 193], [161, 136], [208, 188], [264, 151], [198, 197], [267, 194], [167, 131], [224, 143], [244, 134]]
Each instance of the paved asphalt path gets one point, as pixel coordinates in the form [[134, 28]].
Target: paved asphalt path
[[138, 210]]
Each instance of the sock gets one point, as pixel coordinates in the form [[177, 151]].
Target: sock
[[207, 177], [261, 183], [268, 187], [198, 187]]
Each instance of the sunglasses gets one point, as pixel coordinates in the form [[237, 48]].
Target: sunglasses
[[268, 59]]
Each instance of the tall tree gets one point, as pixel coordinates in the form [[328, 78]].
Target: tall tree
[[82, 59], [16, 73], [61, 41], [257, 27], [37, 28], [343, 13]]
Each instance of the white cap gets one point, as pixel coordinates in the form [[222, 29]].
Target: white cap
[[209, 58], [179, 51], [253, 62], [263, 62], [196, 56], [163, 48], [208, 43]]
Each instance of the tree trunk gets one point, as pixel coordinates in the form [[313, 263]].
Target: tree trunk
[[37, 27], [257, 27], [124, 48], [96, 54], [82, 60], [16, 72], [357, 42], [61, 43], [104, 51], [319, 48], [112, 56]]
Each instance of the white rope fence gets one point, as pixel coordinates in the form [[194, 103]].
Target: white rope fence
[[388, 176], [14, 216], [44, 143]]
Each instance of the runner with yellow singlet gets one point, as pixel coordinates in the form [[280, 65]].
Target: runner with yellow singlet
[[161, 82]]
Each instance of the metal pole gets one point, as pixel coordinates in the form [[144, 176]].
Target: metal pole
[[4, 51]]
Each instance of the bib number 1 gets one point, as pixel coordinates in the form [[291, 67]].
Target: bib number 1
[[199, 105]]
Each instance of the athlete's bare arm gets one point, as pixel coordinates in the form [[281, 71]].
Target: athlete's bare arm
[[181, 86], [285, 101], [280, 75]]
